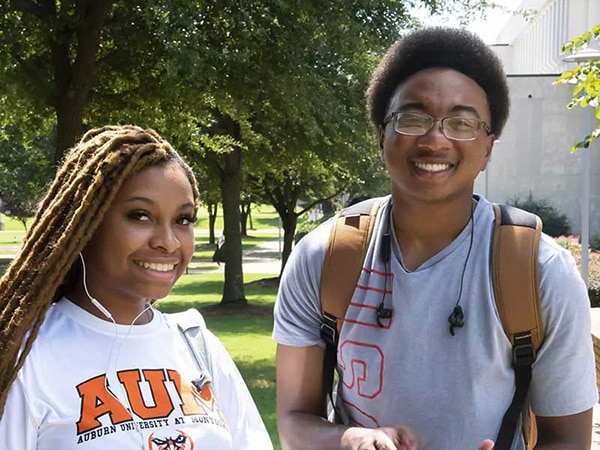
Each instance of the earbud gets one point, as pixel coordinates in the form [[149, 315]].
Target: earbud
[[456, 319], [383, 313], [95, 302]]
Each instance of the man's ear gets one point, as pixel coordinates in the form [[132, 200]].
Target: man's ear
[[381, 136], [489, 146]]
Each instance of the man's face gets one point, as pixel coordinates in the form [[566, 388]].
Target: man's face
[[432, 167]]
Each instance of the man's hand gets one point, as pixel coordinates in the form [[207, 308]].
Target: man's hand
[[386, 438]]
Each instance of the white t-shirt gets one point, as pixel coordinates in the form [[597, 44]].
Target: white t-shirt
[[452, 390], [60, 399]]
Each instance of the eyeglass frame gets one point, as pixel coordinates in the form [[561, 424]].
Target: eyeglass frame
[[480, 124]]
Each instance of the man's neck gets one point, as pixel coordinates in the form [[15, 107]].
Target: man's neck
[[424, 229]]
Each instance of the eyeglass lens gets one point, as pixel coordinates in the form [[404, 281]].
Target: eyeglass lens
[[414, 124]]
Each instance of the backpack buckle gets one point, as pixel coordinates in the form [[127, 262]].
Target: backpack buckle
[[523, 351], [329, 330]]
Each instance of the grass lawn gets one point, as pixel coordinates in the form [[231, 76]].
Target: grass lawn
[[264, 228], [245, 333], [12, 234]]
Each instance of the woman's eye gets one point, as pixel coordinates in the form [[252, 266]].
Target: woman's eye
[[142, 216], [186, 220]]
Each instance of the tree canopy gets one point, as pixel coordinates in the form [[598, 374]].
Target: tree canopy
[[585, 79], [256, 94]]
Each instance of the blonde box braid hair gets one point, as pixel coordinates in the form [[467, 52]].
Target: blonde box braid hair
[[77, 200]]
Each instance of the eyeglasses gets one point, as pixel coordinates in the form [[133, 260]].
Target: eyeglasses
[[419, 124]]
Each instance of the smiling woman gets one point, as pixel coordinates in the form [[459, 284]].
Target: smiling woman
[[87, 362]]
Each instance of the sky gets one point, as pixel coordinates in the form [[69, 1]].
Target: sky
[[487, 29]]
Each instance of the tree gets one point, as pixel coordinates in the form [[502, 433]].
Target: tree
[[50, 50], [586, 80], [24, 173], [223, 80]]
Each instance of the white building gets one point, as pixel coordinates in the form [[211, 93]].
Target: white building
[[533, 153]]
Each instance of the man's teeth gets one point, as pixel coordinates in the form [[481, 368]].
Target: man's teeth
[[157, 267], [432, 167]]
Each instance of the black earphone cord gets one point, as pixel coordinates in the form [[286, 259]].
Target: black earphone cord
[[457, 318]]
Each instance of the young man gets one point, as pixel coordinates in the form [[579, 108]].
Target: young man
[[439, 99]]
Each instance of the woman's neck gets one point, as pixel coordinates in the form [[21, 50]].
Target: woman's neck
[[137, 313]]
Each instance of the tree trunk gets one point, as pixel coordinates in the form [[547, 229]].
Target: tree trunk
[[74, 80], [231, 186], [245, 213], [69, 117], [289, 222], [212, 218]]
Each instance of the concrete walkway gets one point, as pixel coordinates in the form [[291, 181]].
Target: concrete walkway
[[264, 258]]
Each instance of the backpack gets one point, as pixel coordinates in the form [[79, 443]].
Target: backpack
[[514, 272], [191, 327]]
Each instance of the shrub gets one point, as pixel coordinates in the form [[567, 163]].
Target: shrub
[[572, 244], [595, 244], [555, 223], [594, 278], [303, 229]]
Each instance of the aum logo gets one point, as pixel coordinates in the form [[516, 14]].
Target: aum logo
[[98, 401], [181, 442]]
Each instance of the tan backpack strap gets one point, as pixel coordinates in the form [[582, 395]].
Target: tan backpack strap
[[346, 251], [515, 277], [515, 281]]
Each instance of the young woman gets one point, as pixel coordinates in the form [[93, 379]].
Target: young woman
[[86, 361]]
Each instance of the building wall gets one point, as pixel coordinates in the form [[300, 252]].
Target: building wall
[[533, 154], [534, 45]]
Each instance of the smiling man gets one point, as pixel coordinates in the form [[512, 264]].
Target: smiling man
[[439, 100]]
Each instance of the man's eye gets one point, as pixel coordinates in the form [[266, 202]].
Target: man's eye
[[413, 121], [460, 123]]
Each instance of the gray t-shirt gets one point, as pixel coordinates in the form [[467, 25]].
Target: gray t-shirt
[[452, 390]]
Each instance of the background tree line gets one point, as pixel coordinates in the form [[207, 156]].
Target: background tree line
[[265, 99]]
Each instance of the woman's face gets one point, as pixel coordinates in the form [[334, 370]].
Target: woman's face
[[146, 239]]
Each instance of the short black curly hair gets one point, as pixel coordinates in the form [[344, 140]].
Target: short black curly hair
[[455, 48]]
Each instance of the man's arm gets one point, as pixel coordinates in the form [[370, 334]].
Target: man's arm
[[302, 410], [301, 402], [565, 433]]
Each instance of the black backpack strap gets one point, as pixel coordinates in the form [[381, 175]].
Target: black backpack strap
[[516, 290]]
